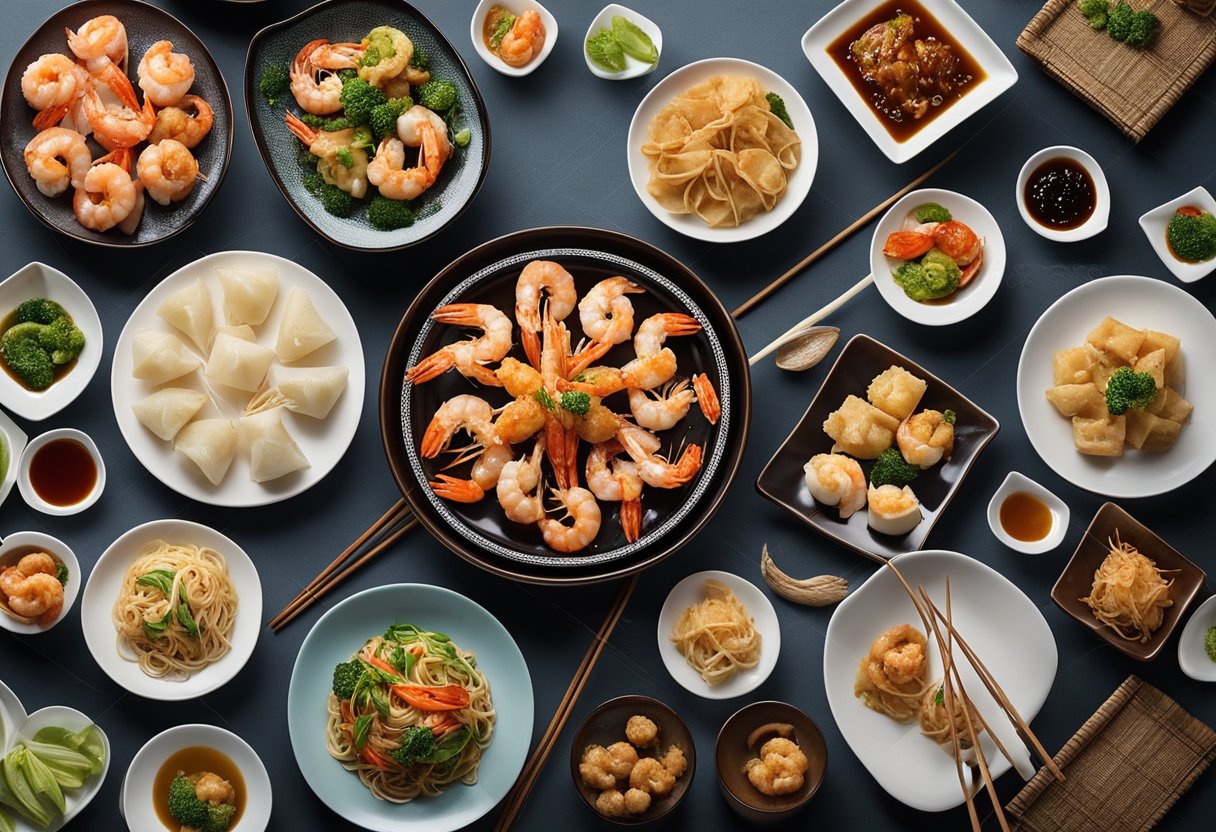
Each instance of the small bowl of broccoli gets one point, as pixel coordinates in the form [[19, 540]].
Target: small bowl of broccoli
[[1183, 233], [50, 341]]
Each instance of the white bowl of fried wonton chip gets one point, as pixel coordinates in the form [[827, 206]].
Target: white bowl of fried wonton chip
[[798, 180]]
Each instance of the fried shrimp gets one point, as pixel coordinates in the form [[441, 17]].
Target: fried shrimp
[[779, 769], [641, 731], [596, 768], [926, 437], [33, 590], [891, 676]]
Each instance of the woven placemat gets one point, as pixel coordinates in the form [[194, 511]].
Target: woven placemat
[[1123, 770], [1132, 87]]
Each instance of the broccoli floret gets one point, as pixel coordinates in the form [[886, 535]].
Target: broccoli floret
[[275, 83], [344, 157], [390, 214], [1209, 643], [184, 804], [61, 574], [1097, 12], [1126, 389], [358, 98], [935, 276], [384, 116], [219, 817], [328, 125], [345, 677], [362, 139], [777, 105], [62, 339], [932, 212], [1119, 22], [313, 182], [420, 59], [25, 356], [577, 403], [40, 311], [1144, 29], [417, 744], [892, 469], [379, 46], [436, 95], [337, 201], [1192, 235]]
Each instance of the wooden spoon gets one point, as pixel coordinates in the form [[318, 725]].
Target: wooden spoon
[[804, 329]]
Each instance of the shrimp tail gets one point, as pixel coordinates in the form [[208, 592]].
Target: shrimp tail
[[591, 353], [432, 366], [631, 519], [460, 314], [482, 374], [457, 490], [687, 466], [51, 116], [531, 344], [707, 398], [971, 268], [677, 323], [300, 130], [561, 447], [109, 74]]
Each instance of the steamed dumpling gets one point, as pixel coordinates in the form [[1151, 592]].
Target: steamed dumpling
[[272, 451], [189, 309], [248, 293], [302, 329], [166, 411], [210, 444], [311, 391], [237, 363], [160, 356], [243, 331]]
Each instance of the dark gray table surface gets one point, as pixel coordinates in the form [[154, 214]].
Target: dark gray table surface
[[559, 158]]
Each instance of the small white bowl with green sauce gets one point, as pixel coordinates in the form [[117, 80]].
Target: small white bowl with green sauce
[[633, 66], [1155, 224], [1193, 656]]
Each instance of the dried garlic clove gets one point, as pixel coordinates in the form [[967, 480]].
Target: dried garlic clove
[[820, 591]]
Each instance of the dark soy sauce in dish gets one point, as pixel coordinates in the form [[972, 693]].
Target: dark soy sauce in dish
[[63, 472], [1060, 194]]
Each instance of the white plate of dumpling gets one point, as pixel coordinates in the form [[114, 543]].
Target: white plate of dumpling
[[239, 379]]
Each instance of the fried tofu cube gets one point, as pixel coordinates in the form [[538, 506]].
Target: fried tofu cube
[[1077, 399], [1175, 371], [1117, 338], [1150, 433], [1071, 366], [1100, 436], [1154, 340], [1102, 366], [1169, 404], [1154, 364], [896, 392], [860, 429]]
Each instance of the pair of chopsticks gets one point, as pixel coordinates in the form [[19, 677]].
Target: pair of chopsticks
[[380, 536]]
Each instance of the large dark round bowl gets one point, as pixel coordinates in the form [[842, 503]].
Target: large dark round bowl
[[351, 20], [479, 532], [145, 25]]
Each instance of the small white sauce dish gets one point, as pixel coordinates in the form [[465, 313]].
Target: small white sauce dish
[[14, 440], [138, 805], [26, 486], [1013, 484], [1097, 220], [633, 67], [691, 591], [1192, 656], [19, 544], [38, 280], [76, 800], [516, 7], [1154, 224]]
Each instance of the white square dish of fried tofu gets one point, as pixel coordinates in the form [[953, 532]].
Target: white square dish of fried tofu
[[896, 392], [860, 429]]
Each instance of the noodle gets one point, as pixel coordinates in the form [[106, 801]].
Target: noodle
[[167, 592], [891, 676], [935, 718], [1129, 595], [717, 636], [718, 151], [461, 734]]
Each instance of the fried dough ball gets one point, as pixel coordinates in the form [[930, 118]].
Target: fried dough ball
[[779, 769], [596, 768], [674, 760], [641, 731], [650, 776], [636, 801], [610, 803], [623, 758]]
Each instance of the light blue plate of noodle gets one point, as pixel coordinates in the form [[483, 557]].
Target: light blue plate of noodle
[[339, 634]]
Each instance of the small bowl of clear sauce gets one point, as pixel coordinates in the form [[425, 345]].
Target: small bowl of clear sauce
[[1027, 517], [1062, 194], [61, 472]]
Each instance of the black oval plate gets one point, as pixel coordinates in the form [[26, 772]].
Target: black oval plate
[[145, 24], [349, 20], [479, 532]]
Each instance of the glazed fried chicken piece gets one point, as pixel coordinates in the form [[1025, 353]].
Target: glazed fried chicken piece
[[909, 72]]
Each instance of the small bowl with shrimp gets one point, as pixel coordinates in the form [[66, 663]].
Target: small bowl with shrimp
[[39, 581], [513, 36], [937, 257]]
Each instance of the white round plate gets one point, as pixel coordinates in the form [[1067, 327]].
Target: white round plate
[[53, 546], [102, 589], [75, 799], [323, 441], [1193, 656], [139, 803], [971, 298], [1140, 302], [999, 622], [339, 634], [690, 591], [677, 82]]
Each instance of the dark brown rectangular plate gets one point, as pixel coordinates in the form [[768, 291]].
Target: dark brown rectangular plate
[[783, 480], [1076, 581]]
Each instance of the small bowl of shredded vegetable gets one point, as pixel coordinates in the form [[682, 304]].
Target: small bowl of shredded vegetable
[[622, 44]]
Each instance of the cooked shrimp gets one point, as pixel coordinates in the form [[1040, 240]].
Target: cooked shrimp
[[325, 145], [641, 731], [50, 81], [897, 656], [188, 122], [779, 769], [68, 98], [165, 76], [319, 98], [211, 788], [596, 768], [653, 468], [538, 278], [650, 776], [661, 409], [470, 414], [33, 590], [485, 473], [926, 437], [707, 398], [334, 56], [108, 195], [416, 127], [606, 312], [957, 241], [653, 331], [520, 420], [836, 480], [623, 758], [561, 440], [642, 373], [125, 126], [468, 357], [616, 480], [674, 760], [524, 40], [520, 488], [907, 245], [580, 506], [399, 51], [100, 37], [57, 157], [167, 171]]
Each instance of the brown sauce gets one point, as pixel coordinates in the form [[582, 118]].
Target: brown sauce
[[63, 472], [900, 124], [61, 370], [195, 760], [1025, 517], [1060, 194]]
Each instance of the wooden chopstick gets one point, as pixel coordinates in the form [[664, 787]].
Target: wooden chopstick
[[812, 319], [844, 233], [518, 795]]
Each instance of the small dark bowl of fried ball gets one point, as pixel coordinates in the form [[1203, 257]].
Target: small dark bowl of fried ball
[[632, 760]]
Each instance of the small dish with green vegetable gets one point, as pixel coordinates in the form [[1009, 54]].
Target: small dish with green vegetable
[[1197, 644], [494, 24], [1183, 233], [622, 44]]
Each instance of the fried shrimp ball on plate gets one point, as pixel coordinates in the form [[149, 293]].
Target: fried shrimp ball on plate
[[636, 801], [610, 803], [641, 731], [650, 776], [674, 761], [596, 768], [623, 757]]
